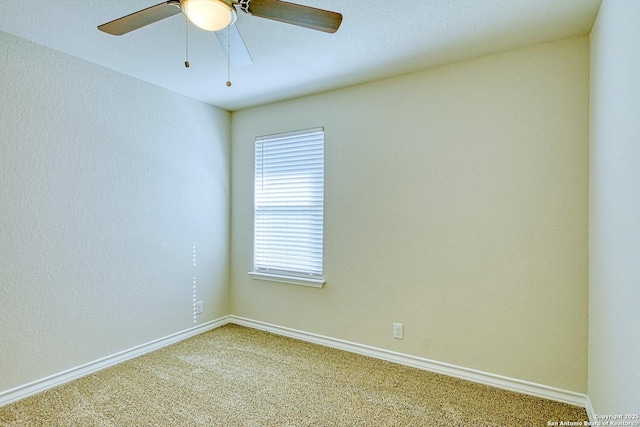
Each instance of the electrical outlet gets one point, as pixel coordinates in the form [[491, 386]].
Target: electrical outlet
[[199, 307], [398, 330]]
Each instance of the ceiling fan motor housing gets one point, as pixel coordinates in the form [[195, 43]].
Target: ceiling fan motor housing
[[244, 6]]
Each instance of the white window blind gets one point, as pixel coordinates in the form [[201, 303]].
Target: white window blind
[[289, 199]]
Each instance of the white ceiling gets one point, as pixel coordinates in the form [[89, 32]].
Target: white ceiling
[[377, 39]]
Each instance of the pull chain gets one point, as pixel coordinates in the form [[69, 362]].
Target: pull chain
[[186, 38], [229, 56]]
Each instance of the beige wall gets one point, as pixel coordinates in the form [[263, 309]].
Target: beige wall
[[455, 203], [614, 229], [105, 183]]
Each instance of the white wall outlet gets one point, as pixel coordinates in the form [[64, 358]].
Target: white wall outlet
[[199, 307], [398, 330]]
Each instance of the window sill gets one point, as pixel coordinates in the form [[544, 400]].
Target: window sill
[[292, 280]]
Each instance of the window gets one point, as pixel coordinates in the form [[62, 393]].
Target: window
[[288, 209]]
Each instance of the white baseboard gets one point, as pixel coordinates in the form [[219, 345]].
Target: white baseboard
[[486, 378], [590, 412], [43, 384]]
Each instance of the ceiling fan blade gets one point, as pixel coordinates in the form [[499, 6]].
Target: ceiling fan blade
[[141, 18], [233, 45], [296, 14]]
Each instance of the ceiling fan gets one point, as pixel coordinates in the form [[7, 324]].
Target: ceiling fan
[[215, 15]]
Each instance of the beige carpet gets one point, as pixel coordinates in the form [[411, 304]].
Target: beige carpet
[[235, 376]]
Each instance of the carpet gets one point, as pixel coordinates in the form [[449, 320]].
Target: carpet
[[237, 376]]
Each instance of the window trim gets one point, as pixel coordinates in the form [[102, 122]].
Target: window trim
[[312, 282]]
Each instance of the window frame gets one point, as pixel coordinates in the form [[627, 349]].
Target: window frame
[[310, 278]]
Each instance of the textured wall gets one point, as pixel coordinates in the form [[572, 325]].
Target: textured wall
[[614, 209], [456, 203], [105, 184]]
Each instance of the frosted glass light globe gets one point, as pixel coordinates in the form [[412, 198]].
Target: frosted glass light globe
[[210, 15]]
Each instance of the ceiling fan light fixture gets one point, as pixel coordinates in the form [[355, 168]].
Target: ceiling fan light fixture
[[210, 15]]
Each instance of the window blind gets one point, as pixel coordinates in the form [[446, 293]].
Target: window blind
[[289, 199]]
